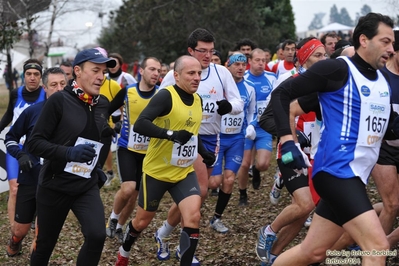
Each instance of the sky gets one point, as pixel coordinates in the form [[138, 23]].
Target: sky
[[82, 28], [304, 10]]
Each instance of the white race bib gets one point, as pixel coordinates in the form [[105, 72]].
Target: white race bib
[[136, 141], [185, 155]]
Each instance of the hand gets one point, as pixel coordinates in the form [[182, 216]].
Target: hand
[[209, 158], [250, 132], [181, 136], [394, 125], [24, 162], [293, 156], [303, 140], [81, 153], [107, 131], [118, 127], [224, 107], [102, 177]]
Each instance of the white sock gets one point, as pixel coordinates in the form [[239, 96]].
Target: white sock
[[165, 230], [114, 215], [269, 231], [118, 225], [124, 253]]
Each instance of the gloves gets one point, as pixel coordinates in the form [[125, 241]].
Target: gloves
[[293, 157], [181, 136], [107, 131], [118, 127], [81, 153], [250, 132], [394, 125], [209, 158], [224, 107], [303, 140], [24, 162]]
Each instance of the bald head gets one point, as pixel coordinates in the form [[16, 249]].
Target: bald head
[[187, 73]]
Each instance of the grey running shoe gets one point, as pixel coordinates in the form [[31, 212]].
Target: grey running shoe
[[111, 227], [264, 245], [218, 226], [110, 176], [119, 235]]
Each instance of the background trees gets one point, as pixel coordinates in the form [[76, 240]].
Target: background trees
[[160, 28]]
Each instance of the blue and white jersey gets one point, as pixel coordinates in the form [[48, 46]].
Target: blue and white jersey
[[21, 104], [355, 119], [233, 125], [264, 85], [216, 84]]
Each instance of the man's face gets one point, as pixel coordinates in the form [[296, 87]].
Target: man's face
[[164, 71], [330, 45], [203, 52], [56, 82], [378, 49], [32, 79], [68, 71], [257, 63], [318, 55], [289, 51], [216, 60], [150, 74], [90, 77], [246, 50], [268, 57], [237, 70], [190, 76]]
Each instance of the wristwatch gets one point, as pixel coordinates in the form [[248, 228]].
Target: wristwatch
[[169, 133]]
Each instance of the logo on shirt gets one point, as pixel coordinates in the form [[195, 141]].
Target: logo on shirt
[[384, 94], [189, 122], [377, 108], [343, 148], [365, 90], [212, 91]]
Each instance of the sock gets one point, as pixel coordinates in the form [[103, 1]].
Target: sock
[[223, 200], [269, 230], [131, 237], [255, 172], [188, 244], [118, 225], [243, 193], [272, 257], [111, 172], [165, 230], [114, 215]]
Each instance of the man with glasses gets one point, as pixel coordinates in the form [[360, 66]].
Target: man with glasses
[[287, 64], [220, 96]]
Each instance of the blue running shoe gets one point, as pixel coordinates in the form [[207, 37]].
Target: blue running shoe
[[264, 245], [195, 261], [163, 252]]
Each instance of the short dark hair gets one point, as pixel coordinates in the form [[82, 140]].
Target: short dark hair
[[199, 34], [287, 42], [52, 70], [368, 25], [66, 64], [328, 34], [245, 42], [144, 62]]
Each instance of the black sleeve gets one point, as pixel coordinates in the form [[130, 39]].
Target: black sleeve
[[159, 105], [117, 101], [8, 115], [44, 128], [324, 76]]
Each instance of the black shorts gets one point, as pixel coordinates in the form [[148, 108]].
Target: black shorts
[[291, 179], [25, 206], [130, 165], [152, 190], [342, 199], [389, 155]]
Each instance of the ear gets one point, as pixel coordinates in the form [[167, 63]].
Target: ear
[[190, 51], [176, 76], [363, 40], [77, 70]]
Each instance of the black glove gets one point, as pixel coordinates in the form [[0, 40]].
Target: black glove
[[303, 140], [118, 127], [181, 136], [102, 177], [107, 131], [394, 125], [81, 153], [292, 156], [209, 158], [224, 107], [24, 162]]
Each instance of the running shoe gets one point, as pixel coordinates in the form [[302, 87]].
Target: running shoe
[[14, 248], [215, 192], [308, 222], [195, 261], [111, 227], [264, 245], [275, 195], [243, 201], [123, 258], [119, 235], [163, 252], [110, 176], [218, 226]]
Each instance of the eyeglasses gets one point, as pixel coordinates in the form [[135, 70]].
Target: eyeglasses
[[201, 51]]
